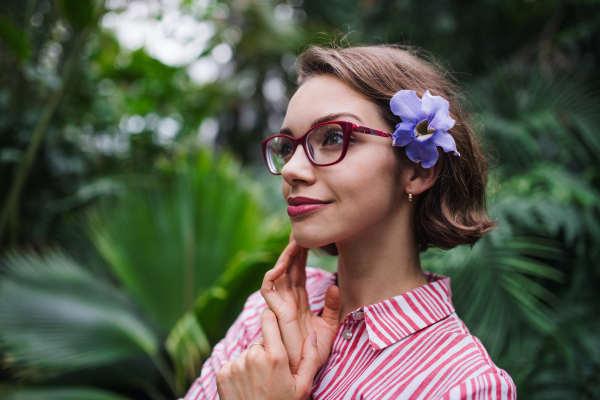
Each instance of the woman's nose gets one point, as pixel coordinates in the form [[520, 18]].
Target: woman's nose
[[298, 168]]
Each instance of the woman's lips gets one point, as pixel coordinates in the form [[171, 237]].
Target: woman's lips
[[304, 209]]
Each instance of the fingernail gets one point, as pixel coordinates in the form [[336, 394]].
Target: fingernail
[[313, 337]]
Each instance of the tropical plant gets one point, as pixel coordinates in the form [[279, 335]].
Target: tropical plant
[[186, 249], [59, 318]]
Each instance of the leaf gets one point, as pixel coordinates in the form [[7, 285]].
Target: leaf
[[532, 117], [217, 308], [170, 243], [13, 392], [491, 290], [79, 12], [58, 317], [188, 347], [15, 39], [532, 267], [219, 305]]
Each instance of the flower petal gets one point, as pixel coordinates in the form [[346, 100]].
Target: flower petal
[[424, 152], [445, 141], [404, 134], [437, 110], [413, 151], [429, 154], [407, 105]]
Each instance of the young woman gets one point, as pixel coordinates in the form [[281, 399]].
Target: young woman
[[378, 163]]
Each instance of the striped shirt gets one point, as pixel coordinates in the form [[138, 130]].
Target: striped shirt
[[412, 346]]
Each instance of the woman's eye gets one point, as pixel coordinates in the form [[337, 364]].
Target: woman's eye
[[333, 138], [284, 150]]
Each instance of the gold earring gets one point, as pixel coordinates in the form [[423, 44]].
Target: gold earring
[[410, 194]]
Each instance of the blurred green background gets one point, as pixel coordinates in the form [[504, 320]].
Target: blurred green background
[[137, 214]]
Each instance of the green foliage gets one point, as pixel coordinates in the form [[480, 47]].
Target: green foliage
[[52, 393], [79, 12], [57, 317], [218, 306], [189, 348], [204, 222], [202, 219], [193, 221], [532, 118], [15, 39]]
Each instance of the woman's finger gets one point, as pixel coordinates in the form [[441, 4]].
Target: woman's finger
[[223, 379], [286, 334], [290, 250], [271, 335], [333, 306], [298, 269], [310, 362], [271, 296], [282, 284], [242, 357], [257, 346]]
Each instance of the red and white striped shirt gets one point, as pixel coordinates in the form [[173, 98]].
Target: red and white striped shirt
[[412, 346]]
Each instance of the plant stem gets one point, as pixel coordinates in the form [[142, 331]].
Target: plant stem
[[38, 134]]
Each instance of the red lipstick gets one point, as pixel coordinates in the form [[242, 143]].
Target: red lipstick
[[300, 206]]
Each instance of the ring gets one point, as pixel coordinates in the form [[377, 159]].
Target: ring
[[260, 344]]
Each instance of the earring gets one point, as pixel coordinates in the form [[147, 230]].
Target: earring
[[410, 194]]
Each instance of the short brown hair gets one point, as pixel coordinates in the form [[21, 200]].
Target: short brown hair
[[453, 211]]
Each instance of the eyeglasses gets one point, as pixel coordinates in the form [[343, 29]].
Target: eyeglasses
[[325, 144]]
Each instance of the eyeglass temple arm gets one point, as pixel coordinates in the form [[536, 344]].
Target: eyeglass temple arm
[[369, 131]]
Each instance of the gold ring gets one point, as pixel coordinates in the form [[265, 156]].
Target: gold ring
[[260, 344]]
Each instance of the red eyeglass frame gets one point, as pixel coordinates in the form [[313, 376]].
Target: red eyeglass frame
[[347, 129]]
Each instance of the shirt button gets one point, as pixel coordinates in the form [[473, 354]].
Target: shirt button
[[359, 315], [347, 334]]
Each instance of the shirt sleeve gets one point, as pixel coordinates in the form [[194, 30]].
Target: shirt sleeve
[[244, 331], [490, 386]]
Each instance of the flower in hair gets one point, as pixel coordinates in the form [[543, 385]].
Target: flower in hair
[[424, 126]]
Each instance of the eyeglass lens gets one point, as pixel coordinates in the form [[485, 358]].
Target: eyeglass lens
[[324, 145]]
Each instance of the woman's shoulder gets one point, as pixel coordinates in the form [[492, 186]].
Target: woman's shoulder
[[465, 352]]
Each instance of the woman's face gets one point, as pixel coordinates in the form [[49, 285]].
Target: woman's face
[[361, 190]]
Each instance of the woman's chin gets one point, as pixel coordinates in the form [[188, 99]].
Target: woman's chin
[[310, 241]]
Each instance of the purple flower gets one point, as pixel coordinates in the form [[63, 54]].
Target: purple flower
[[424, 126]]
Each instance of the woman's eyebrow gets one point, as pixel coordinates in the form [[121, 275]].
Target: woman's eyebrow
[[320, 120]]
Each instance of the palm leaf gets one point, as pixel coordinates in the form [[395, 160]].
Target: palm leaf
[[554, 202], [219, 305], [531, 117], [57, 317], [188, 348], [492, 289], [169, 244]]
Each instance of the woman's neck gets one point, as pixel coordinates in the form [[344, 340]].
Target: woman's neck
[[378, 264]]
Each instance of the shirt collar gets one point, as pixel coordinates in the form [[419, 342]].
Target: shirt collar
[[392, 320]]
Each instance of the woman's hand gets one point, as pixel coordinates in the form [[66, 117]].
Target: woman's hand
[[289, 302], [263, 372]]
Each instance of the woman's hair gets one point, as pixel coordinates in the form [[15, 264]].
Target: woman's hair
[[453, 211]]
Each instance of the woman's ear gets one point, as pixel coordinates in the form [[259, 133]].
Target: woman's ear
[[423, 178]]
